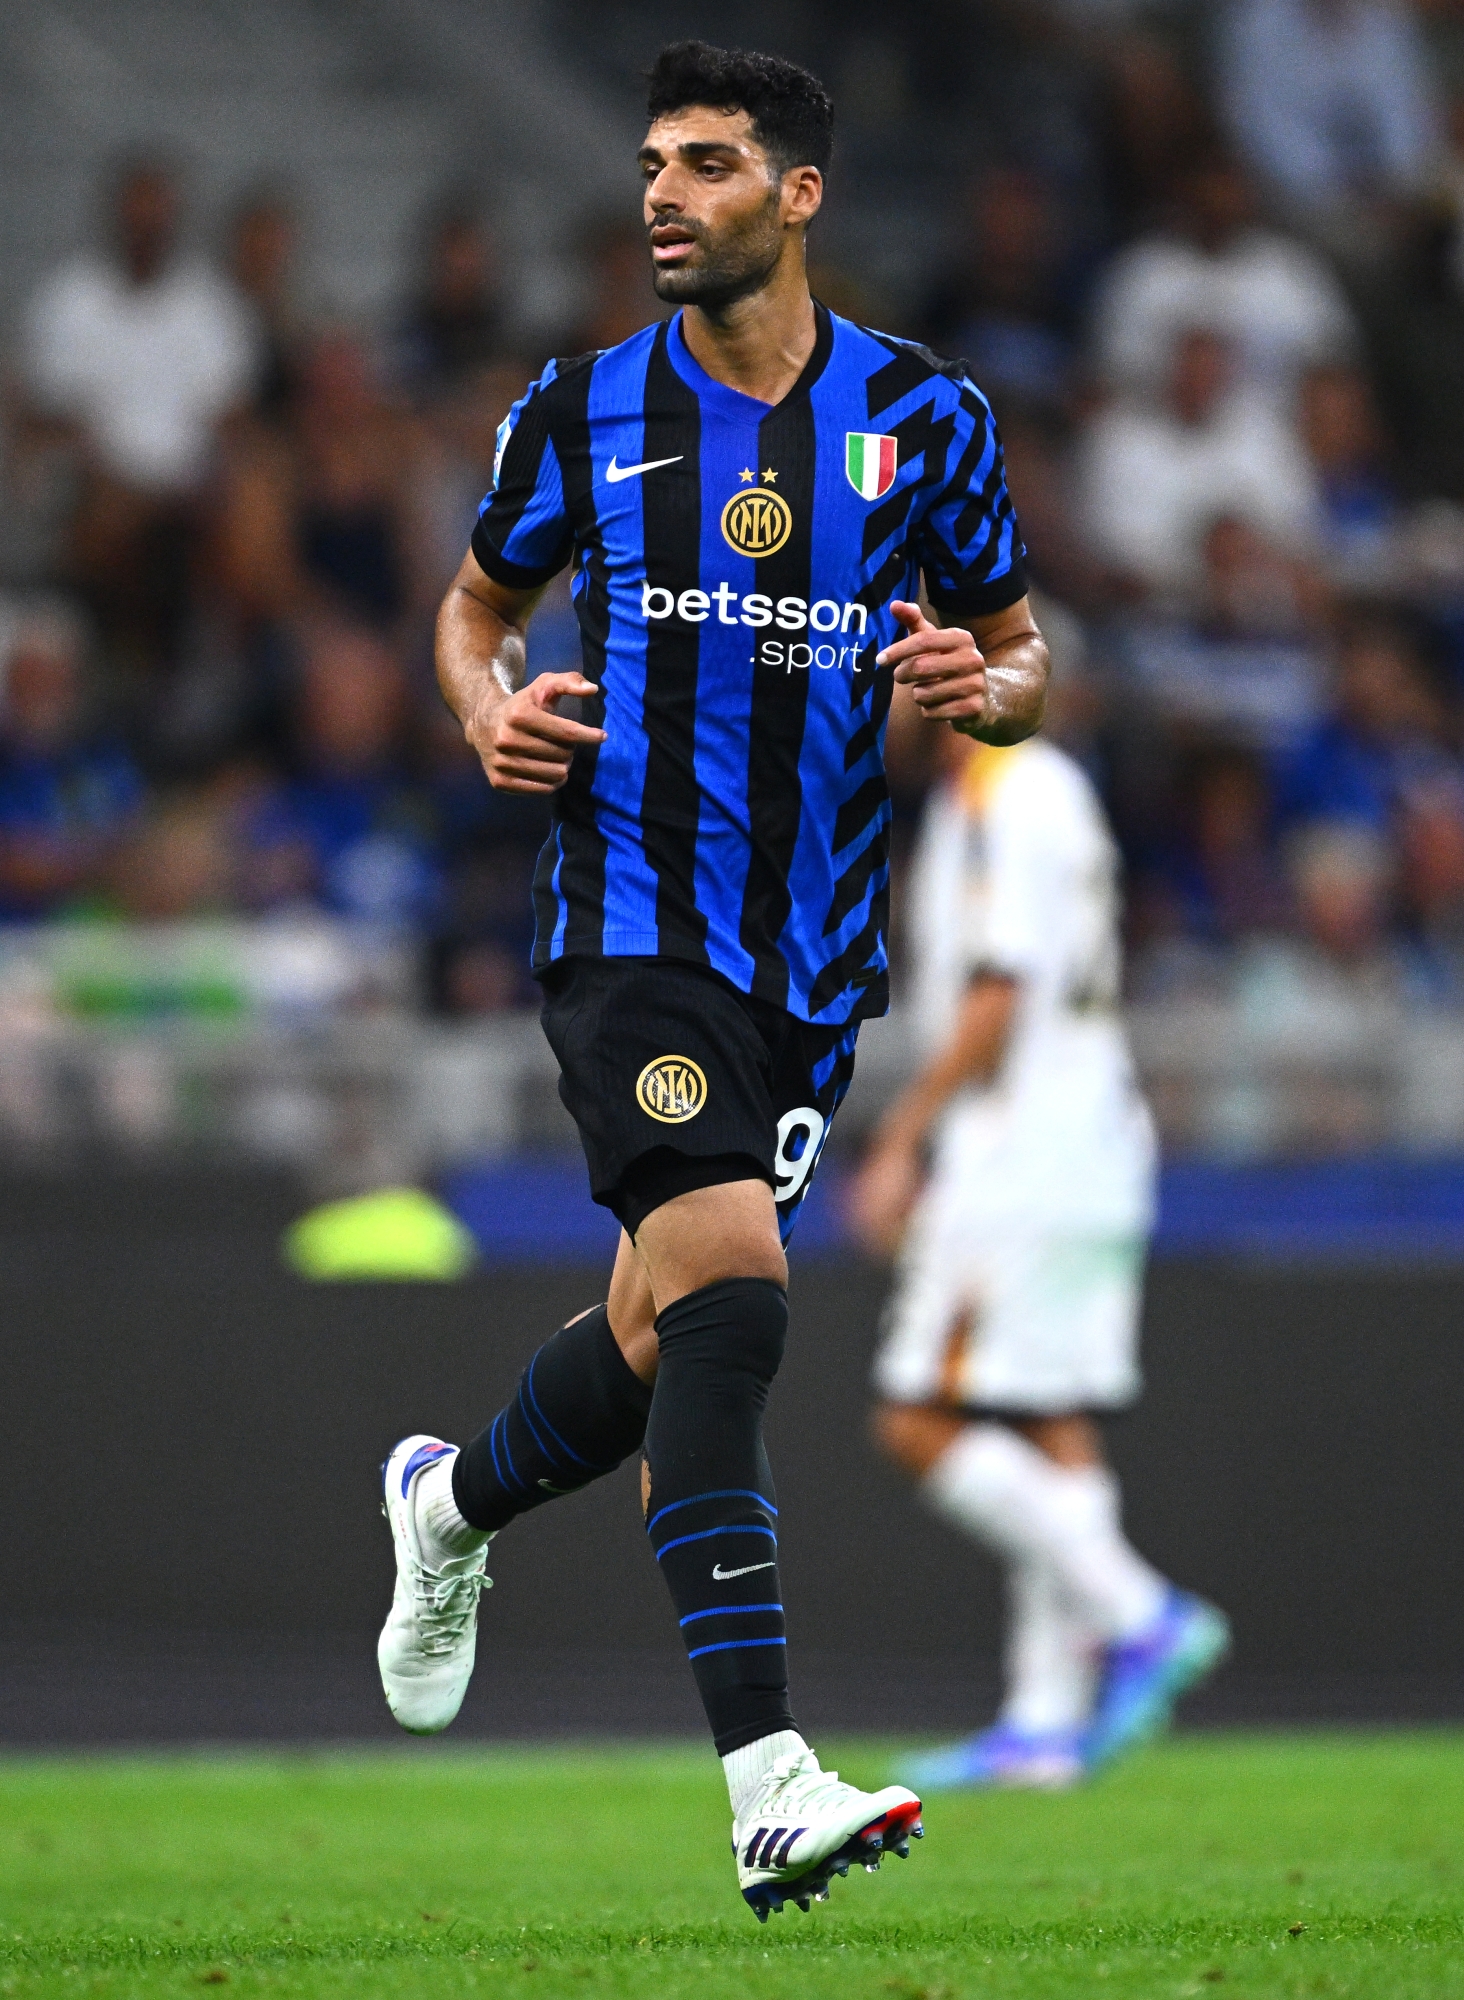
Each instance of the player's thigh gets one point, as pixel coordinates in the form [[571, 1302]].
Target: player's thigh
[[631, 1310], [708, 1235]]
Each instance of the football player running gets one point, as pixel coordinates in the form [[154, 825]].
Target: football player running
[[750, 495], [1014, 1320]]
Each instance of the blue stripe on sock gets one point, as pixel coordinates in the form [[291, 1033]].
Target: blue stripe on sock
[[517, 1476], [727, 1611], [707, 1533], [733, 1646], [493, 1447], [529, 1379], [723, 1493], [533, 1430]]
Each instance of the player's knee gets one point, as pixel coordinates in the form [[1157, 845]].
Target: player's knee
[[738, 1326]]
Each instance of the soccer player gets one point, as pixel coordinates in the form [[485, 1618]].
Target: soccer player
[[1015, 1316], [749, 495]]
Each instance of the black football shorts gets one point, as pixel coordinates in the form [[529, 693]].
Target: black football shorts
[[678, 1081]]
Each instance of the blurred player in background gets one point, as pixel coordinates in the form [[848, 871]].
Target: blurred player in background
[[1014, 1323], [711, 902]]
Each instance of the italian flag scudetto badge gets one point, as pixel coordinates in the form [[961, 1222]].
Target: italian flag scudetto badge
[[870, 463]]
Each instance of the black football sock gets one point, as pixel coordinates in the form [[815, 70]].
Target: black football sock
[[579, 1412], [712, 1518]]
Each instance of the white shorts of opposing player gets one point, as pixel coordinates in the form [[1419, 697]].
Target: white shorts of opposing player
[[1006, 1317]]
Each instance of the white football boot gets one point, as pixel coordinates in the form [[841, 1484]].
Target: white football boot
[[805, 1825], [427, 1644]]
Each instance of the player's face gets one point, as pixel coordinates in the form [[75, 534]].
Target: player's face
[[718, 212]]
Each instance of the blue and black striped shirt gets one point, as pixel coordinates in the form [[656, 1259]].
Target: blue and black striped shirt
[[734, 566]]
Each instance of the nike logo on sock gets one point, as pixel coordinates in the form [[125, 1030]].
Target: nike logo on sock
[[725, 1575], [615, 473]]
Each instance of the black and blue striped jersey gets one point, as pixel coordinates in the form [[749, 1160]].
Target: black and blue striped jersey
[[734, 564]]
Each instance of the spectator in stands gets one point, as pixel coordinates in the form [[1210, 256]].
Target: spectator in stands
[[1004, 304], [1331, 102], [348, 831], [138, 354], [1153, 476], [261, 259], [454, 325], [1245, 661], [1381, 739], [181, 861], [1216, 884], [1413, 309], [1232, 879], [1340, 963], [1157, 116], [458, 438], [616, 259], [1039, 474], [1430, 841], [490, 842], [1360, 517], [68, 789], [316, 517], [1212, 265]]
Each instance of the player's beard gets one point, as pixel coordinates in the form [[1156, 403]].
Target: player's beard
[[732, 266]]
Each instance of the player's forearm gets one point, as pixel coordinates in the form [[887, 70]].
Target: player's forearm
[[1016, 690], [481, 653], [972, 1055]]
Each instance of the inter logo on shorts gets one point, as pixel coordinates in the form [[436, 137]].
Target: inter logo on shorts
[[757, 522], [870, 463], [671, 1089]]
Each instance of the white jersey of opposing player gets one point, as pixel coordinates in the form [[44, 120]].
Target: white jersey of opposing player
[[1017, 873]]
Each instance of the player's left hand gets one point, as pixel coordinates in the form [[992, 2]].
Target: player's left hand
[[940, 664], [882, 1194]]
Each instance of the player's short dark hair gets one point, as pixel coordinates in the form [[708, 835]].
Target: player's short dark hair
[[792, 114]]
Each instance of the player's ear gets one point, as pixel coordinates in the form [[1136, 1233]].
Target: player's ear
[[802, 194]]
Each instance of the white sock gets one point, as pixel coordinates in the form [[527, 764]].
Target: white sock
[[746, 1768], [438, 1520], [996, 1485], [1049, 1655]]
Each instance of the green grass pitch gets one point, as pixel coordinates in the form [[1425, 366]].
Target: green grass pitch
[[1252, 1865]]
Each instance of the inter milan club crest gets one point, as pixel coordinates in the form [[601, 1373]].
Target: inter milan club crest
[[756, 522], [870, 463], [671, 1089]]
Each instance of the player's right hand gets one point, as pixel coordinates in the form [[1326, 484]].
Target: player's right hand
[[525, 746]]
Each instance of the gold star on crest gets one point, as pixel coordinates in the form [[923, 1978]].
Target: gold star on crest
[[770, 477], [747, 473]]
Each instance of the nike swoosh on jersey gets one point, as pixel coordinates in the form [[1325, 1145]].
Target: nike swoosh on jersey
[[615, 473], [725, 1575]]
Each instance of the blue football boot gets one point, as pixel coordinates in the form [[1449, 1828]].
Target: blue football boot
[[1140, 1679], [1002, 1757]]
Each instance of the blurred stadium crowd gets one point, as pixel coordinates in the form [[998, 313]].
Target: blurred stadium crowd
[[1218, 306]]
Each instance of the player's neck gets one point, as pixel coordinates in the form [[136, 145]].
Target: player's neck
[[758, 345]]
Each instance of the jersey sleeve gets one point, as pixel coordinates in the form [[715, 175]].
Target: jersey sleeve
[[523, 534], [968, 544]]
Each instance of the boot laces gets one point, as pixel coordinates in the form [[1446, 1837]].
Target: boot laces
[[796, 1783], [446, 1603]]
